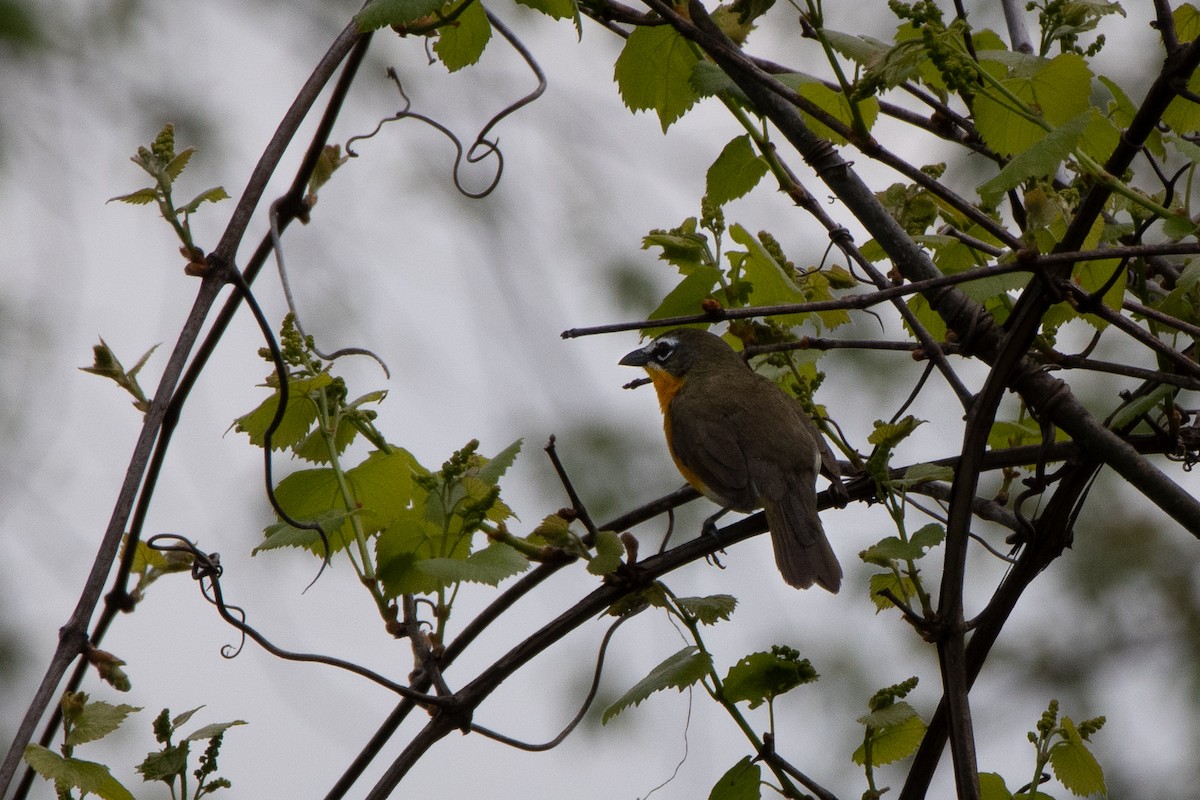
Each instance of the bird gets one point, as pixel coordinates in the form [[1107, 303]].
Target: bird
[[745, 444]]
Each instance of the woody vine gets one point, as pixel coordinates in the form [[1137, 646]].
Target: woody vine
[[1084, 220]]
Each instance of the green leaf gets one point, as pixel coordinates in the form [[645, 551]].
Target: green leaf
[[709, 610], [1039, 160], [917, 474], [888, 716], [211, 731], [179, 162], [991, 787], [763, 676], [865, 50], [97, 720], [314, 447], [213, 195], [298, 416], [654, 72], [737, 170], [87, 776], [1058, 91], [1006, 433], [489, 566], [679, 671], [893, 742], [740, 782], [497, 465], [608, 554], [139, 198], [383, 486], [886, 551], [557, 9], [686, 298], [182, 719], [772, 285], [901, 586], [1073, 763], [1141, 405], [461, 42], [929, 319], [833, 103], [164, 765], [890, 434], [283, 534], [681, 247], [403, 545], [381, 13], [709, 80]]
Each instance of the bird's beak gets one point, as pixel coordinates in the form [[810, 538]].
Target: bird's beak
[[636, 358]]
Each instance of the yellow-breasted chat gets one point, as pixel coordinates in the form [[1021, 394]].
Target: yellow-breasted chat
[[745, 444]]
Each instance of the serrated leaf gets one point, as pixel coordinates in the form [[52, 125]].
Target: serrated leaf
[[737, 170], [180, 162], [892, 548], [889, 716], [740, 782], [1041, 159], [165, 764], [213, 195], [1059, 89], [298, 416], [97, 720], [403, 545], [709, 610], [314, 447], [890, 434], [87, 776], [497, 465], [763, 676], [381, 13], [488, 566], [679, 671], [609, 550], [1073, 763], [865, 50], [893, 743], [654, 73], [902, 587], [461, 43], [682, 247], [211, 731], [282, 534], [139, 198]]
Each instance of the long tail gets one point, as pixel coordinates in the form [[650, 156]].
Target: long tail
[[802, 552]]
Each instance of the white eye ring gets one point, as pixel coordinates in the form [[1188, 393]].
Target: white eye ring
[[662, 349]]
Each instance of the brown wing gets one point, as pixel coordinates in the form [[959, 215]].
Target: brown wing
[[705, 439]]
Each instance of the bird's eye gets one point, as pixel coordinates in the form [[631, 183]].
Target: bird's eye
[[662, 350]]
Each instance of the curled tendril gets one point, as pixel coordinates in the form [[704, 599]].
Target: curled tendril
[[207, 570], [482, 147]]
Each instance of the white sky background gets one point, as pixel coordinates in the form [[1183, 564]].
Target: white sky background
[[464, 300]]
